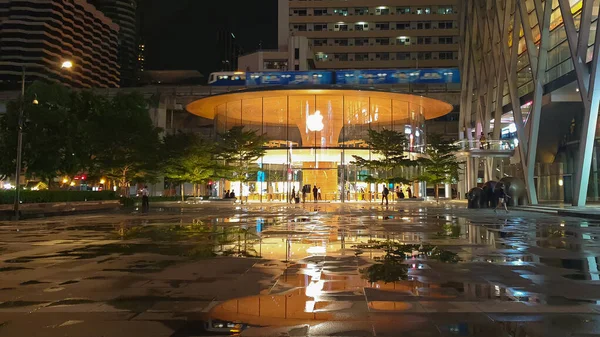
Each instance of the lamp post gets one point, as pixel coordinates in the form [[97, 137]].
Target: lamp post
[[64, 65]]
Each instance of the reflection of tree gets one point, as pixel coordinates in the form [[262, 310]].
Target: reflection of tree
[[241, 242], [450, 230], [392, 268], [389, 270], [192, 240]]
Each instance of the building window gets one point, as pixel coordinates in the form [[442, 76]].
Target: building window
[[383, 56], [446, 55], [382, 42], [361, 26], [402, 56], [341, 27], [361, 42], [403, 40], [424, 40], [424, 55], [341, 42], [361, 11], [302, 12], [423, 25], [382, 26], [300, 28], [297, 53], [276, 65], [402, 10], [445, 10], [402, 25], [320, 27], [321, 57], [319, 42], [340, 11], [361, 57], [320, 12], [445, 25], [297, 67], [424, 10], [341, 57], [382, 11], [445, 40]]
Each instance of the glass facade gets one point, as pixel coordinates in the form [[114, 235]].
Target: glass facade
[[312, 136]]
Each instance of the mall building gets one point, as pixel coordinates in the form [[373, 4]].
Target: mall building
[[530, 76], [315, 131]]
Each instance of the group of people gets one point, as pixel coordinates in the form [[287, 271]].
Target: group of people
[[229, 194], [399, 193]]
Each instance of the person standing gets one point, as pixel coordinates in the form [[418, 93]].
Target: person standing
[[145, 199], [384, 195], [319, 193], [502, 198], [315, 191]]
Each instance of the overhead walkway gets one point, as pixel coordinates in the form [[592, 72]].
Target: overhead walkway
[[488, 149]]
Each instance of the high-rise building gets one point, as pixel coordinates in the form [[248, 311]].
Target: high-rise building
[[39, 35], [227, 49], [363, 34], [124, 14]]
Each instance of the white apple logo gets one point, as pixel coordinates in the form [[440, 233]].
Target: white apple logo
[[315, 122]]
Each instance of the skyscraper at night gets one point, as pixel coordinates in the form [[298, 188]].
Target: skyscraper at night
[[35, 36], [124, 14]]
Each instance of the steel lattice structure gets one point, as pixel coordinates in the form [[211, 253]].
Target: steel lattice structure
[[491, 60]]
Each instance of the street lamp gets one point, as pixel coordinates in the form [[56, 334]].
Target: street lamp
[[64, 65]]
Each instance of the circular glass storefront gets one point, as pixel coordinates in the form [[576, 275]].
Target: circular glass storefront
[[313, 135]]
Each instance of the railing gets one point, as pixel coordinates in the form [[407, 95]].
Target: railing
[[487, 145]]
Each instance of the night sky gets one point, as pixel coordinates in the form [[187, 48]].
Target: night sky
[[181, 34]]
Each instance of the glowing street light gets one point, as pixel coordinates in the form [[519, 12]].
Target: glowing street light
[[67, 65]]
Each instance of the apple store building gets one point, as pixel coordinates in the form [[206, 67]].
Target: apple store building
[[313, 135]]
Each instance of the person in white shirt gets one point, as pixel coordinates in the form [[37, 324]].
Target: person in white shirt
[[145, 200]]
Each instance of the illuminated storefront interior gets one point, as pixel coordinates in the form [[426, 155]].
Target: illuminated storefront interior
[[313, 135]]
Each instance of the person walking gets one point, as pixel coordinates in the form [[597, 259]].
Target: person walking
[[315, 191], [384, 195], [502, 198], [145, 199], [293, 199]]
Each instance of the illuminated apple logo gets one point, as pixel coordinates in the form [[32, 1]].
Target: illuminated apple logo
[[315, 122]]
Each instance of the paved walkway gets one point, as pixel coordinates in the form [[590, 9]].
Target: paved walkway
[[301, 270]]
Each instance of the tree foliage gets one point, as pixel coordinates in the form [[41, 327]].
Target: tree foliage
[[239, 149], [72, 132], [189, 158], [440, 164], [390, 145]]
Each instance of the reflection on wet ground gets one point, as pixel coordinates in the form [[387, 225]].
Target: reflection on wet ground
[[299, 270]]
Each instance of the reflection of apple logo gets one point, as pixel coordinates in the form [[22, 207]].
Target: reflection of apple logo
[[315, 122]]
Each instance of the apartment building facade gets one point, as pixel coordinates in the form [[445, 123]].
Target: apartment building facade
[[368, 34], [39, 35]]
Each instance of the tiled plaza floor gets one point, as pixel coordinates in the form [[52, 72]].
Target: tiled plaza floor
[[196, 272]]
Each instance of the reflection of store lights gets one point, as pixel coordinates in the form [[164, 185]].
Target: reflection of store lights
[[315, 122], [316, 250]]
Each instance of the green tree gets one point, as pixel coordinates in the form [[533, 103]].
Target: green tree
[[126, 143], [53, 137], [390, 145], [239, 150], [189, 158], [440, 164]]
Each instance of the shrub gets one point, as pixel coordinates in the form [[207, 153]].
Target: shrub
[[27, 196]]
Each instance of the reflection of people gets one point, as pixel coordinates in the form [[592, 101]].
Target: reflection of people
[[384, 195]]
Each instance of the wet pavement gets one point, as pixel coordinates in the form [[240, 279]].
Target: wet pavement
[[415, 269]]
